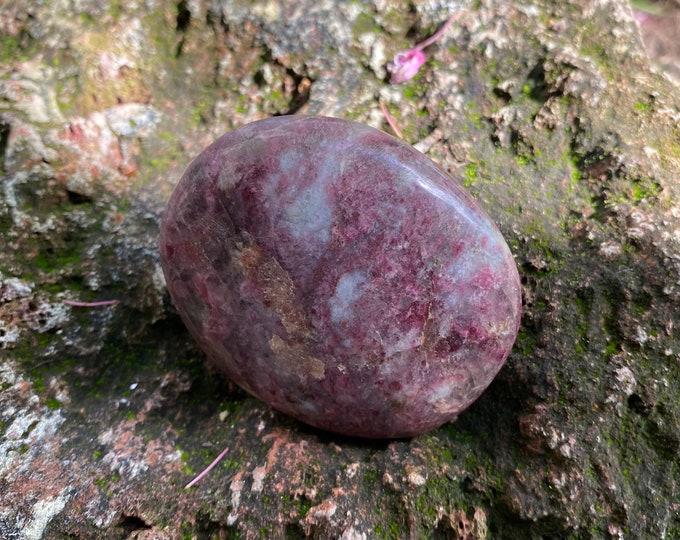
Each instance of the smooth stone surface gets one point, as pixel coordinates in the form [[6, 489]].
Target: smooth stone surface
[[338, 275]]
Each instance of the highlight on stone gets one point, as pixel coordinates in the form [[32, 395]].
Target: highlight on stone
[[340, 276]]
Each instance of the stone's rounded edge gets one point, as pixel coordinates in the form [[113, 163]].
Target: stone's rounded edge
[[200, 299]]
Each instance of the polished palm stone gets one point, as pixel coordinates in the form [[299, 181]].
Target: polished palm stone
[[341, 277]]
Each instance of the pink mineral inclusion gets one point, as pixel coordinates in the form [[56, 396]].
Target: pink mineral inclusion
[[340, 276]]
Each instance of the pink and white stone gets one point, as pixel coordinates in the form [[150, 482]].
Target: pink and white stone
[[338, 275]]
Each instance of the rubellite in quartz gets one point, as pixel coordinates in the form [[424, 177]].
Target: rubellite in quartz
[[338, 275]]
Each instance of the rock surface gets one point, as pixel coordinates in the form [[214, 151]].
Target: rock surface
[[337, 274], [558, 123]]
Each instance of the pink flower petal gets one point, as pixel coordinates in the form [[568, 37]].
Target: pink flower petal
[[405, 65]]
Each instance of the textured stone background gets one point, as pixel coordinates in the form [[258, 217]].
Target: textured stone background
[[549, 112]]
